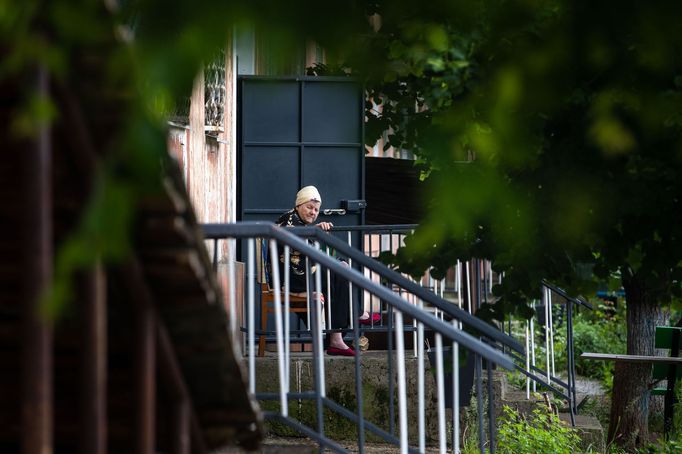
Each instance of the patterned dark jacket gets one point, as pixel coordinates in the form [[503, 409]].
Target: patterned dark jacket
[[296, 260]]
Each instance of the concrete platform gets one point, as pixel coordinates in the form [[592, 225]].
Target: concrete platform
[[340, 387], [590, 430]]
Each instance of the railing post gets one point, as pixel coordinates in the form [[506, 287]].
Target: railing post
[[571, 361], [479, 402], [440, 392], [389, 341], [317, 353], [373, 297], [468, 279], [308, 286], [491, 408], [455, 393], [287, 317], [551, 329], [251, 314], [532, 348], [478, 287], [353, 313], [545, 292], [319, 307], [358, 384], [573, 386], [528, 358], [455, 366], [328, 295], [391, 382], [402, 392], [421, 429], [274, 258]]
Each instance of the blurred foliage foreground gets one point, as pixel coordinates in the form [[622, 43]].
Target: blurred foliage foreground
[[571, 109], [572, 112]]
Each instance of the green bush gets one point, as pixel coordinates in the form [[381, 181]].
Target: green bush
[[599, 331], [663, 447], [541, 432], [674, 443]]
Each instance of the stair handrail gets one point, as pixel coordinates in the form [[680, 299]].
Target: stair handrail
[[270, 230], [382, 270], [578, 301], [420, 291], [498, 339]]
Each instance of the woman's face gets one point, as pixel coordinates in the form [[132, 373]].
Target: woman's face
[[308, 211]]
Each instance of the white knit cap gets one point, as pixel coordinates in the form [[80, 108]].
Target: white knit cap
[[307, 194]]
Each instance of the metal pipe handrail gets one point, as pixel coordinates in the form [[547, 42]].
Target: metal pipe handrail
[[578, 301], [409, 227], [345, 249], [378, 228], [214, 231], [269, 230], [382, 270], [549, 288]]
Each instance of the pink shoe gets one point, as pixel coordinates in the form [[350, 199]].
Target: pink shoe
[[333, 351], [375, 317]]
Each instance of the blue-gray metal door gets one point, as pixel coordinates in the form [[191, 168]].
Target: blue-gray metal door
[[295, 132]]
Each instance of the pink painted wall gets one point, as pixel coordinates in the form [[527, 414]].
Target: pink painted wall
[[207, 157]]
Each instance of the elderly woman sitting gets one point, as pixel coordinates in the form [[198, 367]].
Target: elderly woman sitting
[[305, 212]]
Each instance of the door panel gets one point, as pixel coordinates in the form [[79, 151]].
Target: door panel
[[265, 168], [270, 111], [275, 162], [332, 112], [335, 173]]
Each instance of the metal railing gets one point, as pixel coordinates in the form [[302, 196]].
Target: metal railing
[[549, 377], [446, 322], [469, 285]]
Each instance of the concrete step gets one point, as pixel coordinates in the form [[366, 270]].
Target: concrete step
[[279, 445], [514, 397], [340, 387], [589, 428]]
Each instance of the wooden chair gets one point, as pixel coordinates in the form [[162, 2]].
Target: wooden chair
[[297, 304]]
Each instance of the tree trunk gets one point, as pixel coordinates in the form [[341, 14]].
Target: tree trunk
[[629, 422]]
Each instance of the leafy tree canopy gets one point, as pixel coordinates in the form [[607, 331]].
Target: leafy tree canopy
[[573, 112]]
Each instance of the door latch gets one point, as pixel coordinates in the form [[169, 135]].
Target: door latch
[[336, 211], [353, 205]]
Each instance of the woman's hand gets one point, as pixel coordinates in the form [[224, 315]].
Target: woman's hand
[[326, 226], [318, 296]]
